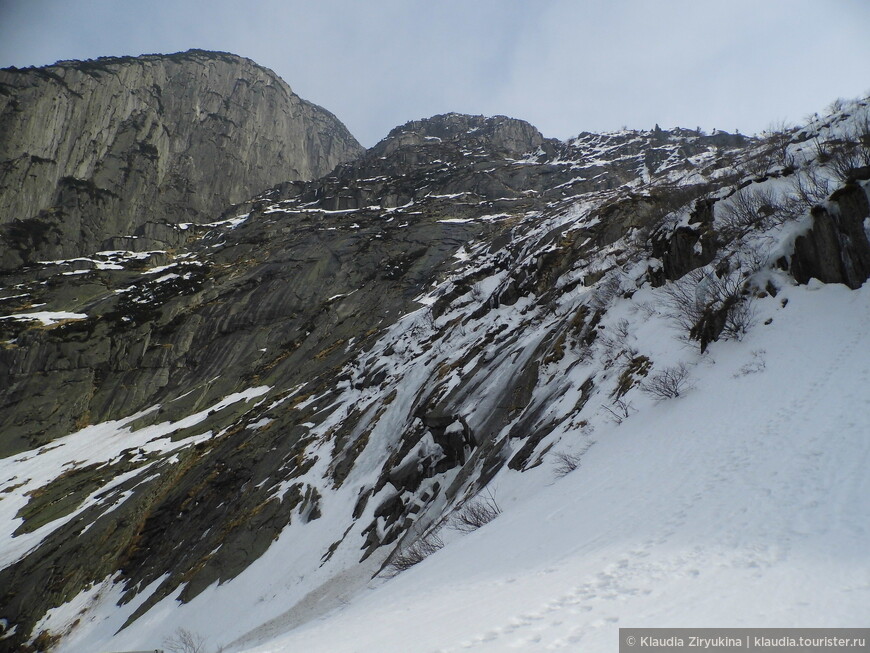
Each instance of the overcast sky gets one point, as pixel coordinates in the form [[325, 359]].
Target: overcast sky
[[564, 65]]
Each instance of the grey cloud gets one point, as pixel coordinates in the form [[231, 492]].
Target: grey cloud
[[564, 65]]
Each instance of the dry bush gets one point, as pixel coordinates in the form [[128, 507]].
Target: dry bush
[[702, 298], [749, 208], [417, 552], [647, 309], [614, 343], [822, 149], [837, 105], [619, 409], [606, 290], [777, 139], [758, 164], [184, 641], [810, 188], [476, 513], [771, 151], [669, 383], [565, 463], [682, 303], [846, 156]]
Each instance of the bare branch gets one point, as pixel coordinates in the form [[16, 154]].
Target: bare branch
[[476, 513], [669, 383]]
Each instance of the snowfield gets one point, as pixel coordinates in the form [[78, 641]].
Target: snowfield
[[743, 503]]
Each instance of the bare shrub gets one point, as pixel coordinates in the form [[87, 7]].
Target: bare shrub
[[837, 105], [476, 513], [749, 208], [771, 151], [777, 139], [758, 163], [707, 306], [565, 463], [622, 329], [682, 303], [810, 188], [647, 309], [606, 290], [822, 149], [619, 409], [614, 343], [846, 156], [669, 383], [184, 641], [417, 552], [862, 130], [739, 317]]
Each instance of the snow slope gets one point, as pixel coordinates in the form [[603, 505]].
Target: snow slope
[[746, 502]]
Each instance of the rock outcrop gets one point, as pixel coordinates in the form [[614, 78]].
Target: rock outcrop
[[836, 249], [115, 153]]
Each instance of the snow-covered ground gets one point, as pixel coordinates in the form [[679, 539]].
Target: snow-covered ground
[[745, 502]]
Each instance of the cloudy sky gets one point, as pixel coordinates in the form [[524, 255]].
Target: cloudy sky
[[564, 65]]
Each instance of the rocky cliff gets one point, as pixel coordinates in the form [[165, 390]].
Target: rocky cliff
[[113, 153]]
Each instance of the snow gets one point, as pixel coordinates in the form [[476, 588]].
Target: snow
[[46, 317], [97, 444], [692, 514], [744, 502], [231, 223]]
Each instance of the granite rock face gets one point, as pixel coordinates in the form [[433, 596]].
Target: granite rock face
[[103, 154]]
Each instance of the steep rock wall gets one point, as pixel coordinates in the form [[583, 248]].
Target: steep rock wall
[[836, 249], [92, 152]]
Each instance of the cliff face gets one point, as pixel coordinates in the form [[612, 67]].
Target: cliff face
[[105, 154]]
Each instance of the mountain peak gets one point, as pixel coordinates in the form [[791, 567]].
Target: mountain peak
[[509, 135]]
